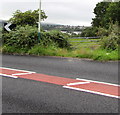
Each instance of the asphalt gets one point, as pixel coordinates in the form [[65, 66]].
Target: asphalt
[[27, 96]]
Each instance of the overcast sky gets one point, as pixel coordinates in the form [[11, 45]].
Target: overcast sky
[[68, 12]]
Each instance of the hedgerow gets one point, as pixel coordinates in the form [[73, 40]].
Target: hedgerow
[[27, 37]]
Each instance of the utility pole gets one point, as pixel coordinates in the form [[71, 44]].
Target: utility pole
[[39, 23]]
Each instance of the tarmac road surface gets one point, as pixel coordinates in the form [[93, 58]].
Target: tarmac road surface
[[51, 88]]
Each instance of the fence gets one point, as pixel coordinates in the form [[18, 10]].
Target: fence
[[97, 37], [78, 41]]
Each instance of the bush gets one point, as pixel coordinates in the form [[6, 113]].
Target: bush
[[112, 40], [21, 37], [89, 32], [60, 39], [26, 37], [102, 32]]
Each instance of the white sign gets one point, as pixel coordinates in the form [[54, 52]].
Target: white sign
[[7, 26]]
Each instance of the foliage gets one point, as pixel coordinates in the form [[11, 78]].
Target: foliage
[[13, 50], [113, 12], [105, 13], [21, 37], [27, 18], [112, 38], [40, 49], [100, 11], [103, 55], [102, 32], [89, 32], [57, 37], [26, 37], [51, 50]]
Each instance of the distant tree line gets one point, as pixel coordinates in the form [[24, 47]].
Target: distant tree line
[[66, 28]]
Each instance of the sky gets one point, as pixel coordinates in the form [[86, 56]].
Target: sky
[[66, 12]]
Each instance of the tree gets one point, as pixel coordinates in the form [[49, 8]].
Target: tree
[[27, 18], [113, 12], [100, 11], [105, 13], [89, 32]]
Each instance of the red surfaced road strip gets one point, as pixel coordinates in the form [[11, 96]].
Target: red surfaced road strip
[[10, 72], [49, 79], [106, 89], [99, 87], [40, 77]]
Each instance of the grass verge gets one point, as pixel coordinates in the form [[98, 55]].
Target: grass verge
[[91, 52]]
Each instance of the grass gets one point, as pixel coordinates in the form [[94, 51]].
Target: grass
[[105, 55], [81, 50], [91, 52], [48, 51], [77, 40], [13, 50], [85, 43]]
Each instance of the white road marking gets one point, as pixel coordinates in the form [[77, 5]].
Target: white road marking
[[5, 75], [14, 75], [79, 89], [23, 73], [17, 69], [69, 87], [98, 82], [78, 83]]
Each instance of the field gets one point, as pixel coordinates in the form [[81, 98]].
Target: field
[[84, 43], [90, 48]]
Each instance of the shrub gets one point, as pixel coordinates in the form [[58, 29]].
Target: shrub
[[60, 39], [89, 32], [26, 37], [21, 37], [102, 32], [112, 41]]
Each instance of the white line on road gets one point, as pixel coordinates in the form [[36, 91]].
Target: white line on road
[[14, 75], [78, 83], [23, 73], [5, 75], [17, 69], [79, 89], [98, 82]]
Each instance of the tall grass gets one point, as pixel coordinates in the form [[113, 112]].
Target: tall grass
[[13, 50], [52, 50]]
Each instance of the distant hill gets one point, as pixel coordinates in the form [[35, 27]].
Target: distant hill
[[53, 26], [68, 28], [49, 24]]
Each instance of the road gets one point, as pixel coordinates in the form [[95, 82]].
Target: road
[[32, 96]]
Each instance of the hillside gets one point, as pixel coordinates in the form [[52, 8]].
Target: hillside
[[52, 26]]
